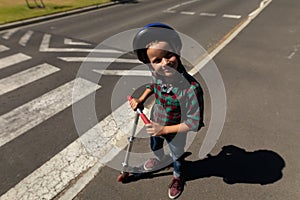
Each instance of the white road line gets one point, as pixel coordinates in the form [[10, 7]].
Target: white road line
[[207, 145], [13, 59], [3, 48], [187, 13], [29, 115], [96, 59], [9, 33], [104, 141], [52, 177], [71, 42], [27, 76], [208, 14], [232, 16], [44, 47], [25, 38], [123, 72], [171, 9]]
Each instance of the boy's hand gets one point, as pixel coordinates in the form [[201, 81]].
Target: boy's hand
[[154, 129], [136, 103]]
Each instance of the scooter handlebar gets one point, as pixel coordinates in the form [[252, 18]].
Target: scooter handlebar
[[142, 115]]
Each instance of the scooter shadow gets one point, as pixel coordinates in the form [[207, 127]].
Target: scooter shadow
[[236, 165]]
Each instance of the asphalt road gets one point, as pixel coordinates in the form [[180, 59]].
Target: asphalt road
[[260, 74]]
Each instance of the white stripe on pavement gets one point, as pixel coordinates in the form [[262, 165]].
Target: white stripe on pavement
[[232, 16], [3, 48], [187, 13], [29, 115], [13, 59], [71, 42], [27, 76], [44, 47], [104, 141], [25, 38], [171, 9], [96, 59], [123, 72], [208, 14], [9, 33]]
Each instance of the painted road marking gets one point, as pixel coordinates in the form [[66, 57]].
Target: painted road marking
[[123, 72], [13, 59], [27, 76], [101, 141], [208, 14], [29, 115], [3, 48], [97, 59], [231, 16], [9, 33], [44, 47], [187, 13], [171, 9], [71, 42], [25, 38]]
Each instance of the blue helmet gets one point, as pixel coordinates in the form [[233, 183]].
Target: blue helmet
[[154, 32]]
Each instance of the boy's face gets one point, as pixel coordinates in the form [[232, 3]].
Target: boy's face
[[162, 59]]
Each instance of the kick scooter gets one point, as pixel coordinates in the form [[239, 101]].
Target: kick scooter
[[124, 173]]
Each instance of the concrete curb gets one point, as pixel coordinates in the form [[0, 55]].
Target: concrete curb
[[57, 15]]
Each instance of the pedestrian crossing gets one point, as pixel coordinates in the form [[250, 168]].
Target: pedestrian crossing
[[54, 175], [29, 115]]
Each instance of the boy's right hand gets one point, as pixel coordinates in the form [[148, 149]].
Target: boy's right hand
[[136, 103]]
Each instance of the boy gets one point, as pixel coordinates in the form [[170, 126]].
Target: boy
[[178, 106]]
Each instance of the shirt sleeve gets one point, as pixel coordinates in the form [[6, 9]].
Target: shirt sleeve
[[194, 107]]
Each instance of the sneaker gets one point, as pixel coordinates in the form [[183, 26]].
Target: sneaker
[[151, 164], [175, 188]]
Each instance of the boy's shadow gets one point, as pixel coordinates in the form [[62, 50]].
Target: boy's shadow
[[236, 165]]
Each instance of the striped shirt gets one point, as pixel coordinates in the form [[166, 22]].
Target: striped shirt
[[180, 102]]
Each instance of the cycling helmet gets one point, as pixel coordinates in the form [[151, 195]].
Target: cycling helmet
[[155, 32]]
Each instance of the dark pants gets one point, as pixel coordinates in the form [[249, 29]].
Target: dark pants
[[176, 144]]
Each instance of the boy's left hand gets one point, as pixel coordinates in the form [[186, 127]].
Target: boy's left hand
[[154, 129]]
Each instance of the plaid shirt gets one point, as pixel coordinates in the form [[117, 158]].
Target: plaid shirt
[[181, 102]]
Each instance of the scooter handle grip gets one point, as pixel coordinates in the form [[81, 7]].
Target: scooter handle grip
[[129, 97], [142, 115]]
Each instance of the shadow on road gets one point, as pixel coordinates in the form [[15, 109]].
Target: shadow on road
[[233, 164], [236, 165]]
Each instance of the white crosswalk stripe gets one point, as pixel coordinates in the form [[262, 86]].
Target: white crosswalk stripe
[[3, 48], [96, 59], [9, 33], [123, 72], [25, 38], [29, 115], [44, 47], [27, 76], [71, 42], [13, 59]]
